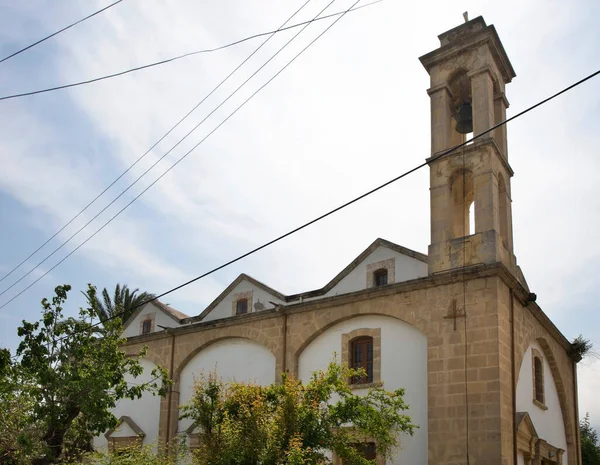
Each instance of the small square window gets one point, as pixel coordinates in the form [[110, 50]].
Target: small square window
[[380, 277], [241, 307], [147, 326]]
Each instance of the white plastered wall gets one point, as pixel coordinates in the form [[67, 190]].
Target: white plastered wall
[[549, 423], [406, 268], [160, 318], [403, 365], [232, 359], [144, 411], [224, 309]]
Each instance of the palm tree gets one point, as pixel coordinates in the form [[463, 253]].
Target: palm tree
[[123, 304]]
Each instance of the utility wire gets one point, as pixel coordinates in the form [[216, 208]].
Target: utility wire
[[187, 153], [58, 32], [159, 160], [356, 199], [139, 159], [305, 225], [179, 57]]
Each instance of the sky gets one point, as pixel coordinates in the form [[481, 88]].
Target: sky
[[349, 114]]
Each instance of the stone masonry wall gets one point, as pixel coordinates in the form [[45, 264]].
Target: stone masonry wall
[[475, 348]]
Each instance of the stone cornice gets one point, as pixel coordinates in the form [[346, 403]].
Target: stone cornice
[[476, 145], [487, 35], [438, 279]]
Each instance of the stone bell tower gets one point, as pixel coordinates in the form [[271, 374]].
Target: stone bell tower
[[468, 74]]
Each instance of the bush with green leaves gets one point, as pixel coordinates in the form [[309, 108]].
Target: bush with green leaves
[[294, 423]]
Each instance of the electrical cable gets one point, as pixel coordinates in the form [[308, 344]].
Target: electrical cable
[[59, 31], [179, 57], [155, 144], [157, 162], [185, 155], [142, 156], [356, 199], [467, 215]]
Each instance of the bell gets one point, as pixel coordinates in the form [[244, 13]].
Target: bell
[[464, 119]]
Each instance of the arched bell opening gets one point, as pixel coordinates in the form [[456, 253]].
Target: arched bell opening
[[461, 103]]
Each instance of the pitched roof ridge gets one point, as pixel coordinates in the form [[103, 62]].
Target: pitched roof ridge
[[173, 311], [379, 242], [129, 422], [241, 277]]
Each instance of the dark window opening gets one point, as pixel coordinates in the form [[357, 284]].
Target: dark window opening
[[146, 326], [367, 450], [538, 370], [380, 277], [361, 356], [241, 307]]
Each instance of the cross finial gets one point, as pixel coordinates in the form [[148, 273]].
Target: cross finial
[[466, 16]]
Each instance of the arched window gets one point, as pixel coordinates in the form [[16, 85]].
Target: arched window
[[472, 219], [538, 379], [241, 306], [462, 212], [380, 277], [361, 356]]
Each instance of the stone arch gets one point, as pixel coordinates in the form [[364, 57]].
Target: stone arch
[[150, 356], [181, 387], [218, 338], [325, 324], [560, 388], [459, 84]]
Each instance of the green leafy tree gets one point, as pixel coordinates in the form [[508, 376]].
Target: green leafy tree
[[70, 375], [149, 454], [590, 453], [293, 423], [18, 433], [124, 302]]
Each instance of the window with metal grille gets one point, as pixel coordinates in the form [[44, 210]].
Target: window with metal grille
[[538, 373], [241, 307], [361, 356], [146, 326], [380, 277]]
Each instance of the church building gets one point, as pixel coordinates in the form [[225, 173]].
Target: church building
[[489, 378]]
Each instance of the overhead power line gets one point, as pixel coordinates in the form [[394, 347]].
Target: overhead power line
[[356, 199], [144, 155], [190, 151], [59, 31], [179, 57], [163, 156]]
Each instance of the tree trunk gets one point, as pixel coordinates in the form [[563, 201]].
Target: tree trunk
[[55, 438]]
